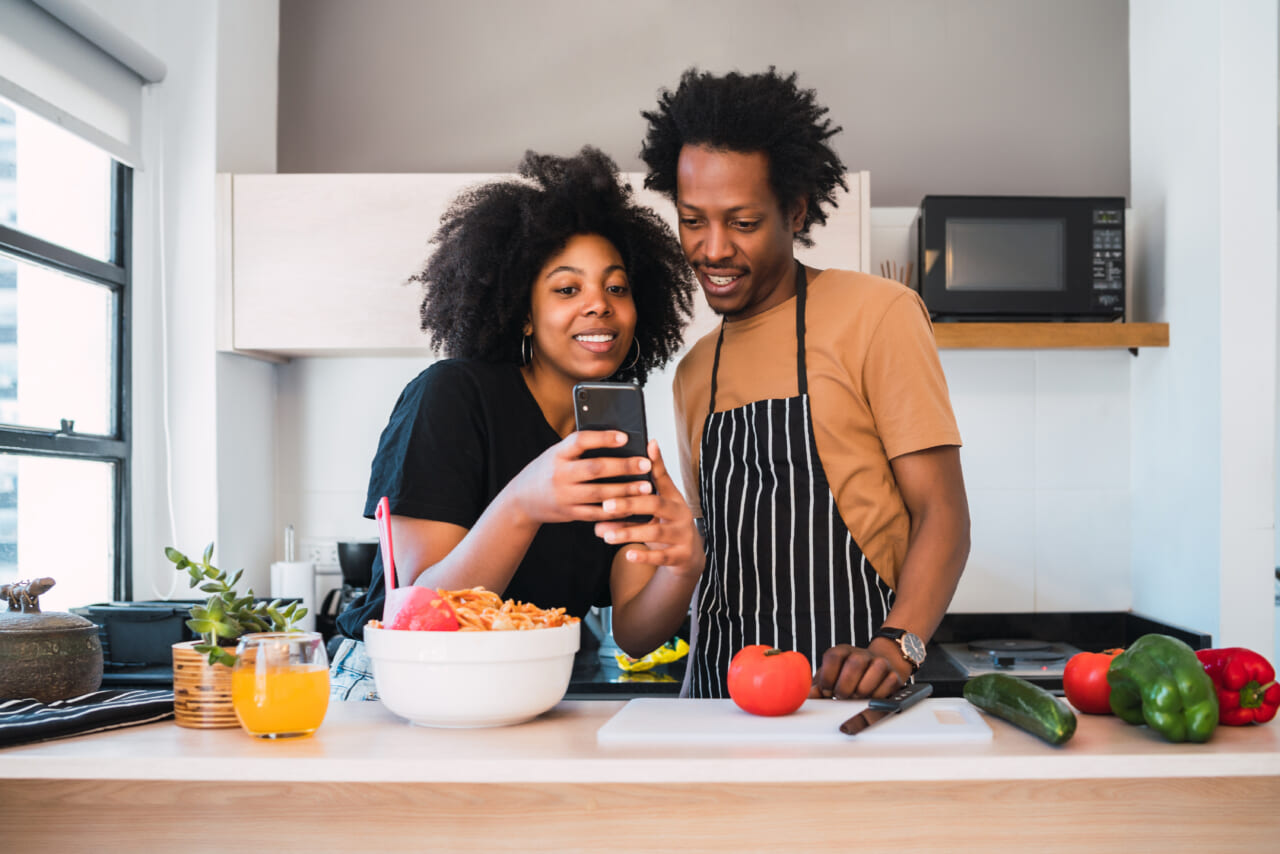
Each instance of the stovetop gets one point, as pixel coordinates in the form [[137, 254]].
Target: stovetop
[[1017, 657]]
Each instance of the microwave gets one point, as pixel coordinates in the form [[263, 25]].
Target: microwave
[[1021, 257]]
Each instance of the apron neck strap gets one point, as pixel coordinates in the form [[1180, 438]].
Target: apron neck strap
[[802, 288], [802, 378]]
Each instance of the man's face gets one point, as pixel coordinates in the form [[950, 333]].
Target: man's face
[[733, 230]]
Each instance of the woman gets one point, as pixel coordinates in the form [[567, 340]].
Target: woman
[[538, 283]]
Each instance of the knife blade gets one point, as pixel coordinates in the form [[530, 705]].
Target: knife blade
[[877, 710]]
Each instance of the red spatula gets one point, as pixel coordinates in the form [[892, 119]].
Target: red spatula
[[412, 607]]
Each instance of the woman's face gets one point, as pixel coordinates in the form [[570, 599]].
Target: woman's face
[[582, 316]]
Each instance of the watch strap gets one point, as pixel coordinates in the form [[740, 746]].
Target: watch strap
[[896, 634]]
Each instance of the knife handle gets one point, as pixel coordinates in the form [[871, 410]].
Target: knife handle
[[904, 698]]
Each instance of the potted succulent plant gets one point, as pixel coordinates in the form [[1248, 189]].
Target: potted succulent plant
[[202, 669]]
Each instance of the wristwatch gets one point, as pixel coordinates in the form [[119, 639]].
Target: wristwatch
[[910, 644]]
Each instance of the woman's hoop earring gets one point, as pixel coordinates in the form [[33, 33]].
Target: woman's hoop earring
[[634, 359], [526, 350]]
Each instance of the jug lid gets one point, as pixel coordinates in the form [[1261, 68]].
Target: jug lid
[[24, 614]]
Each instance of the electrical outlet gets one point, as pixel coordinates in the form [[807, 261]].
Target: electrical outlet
[[323, 553]]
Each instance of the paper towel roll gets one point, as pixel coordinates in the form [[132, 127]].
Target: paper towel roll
[[296, 579]]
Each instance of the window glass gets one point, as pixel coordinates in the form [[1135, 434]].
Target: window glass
[[54, 185], [57, 519], [56, 349]]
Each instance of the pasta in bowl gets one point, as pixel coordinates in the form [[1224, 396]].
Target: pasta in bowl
[[508, 663]]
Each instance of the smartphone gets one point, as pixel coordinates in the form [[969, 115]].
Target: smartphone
[[615, 406]]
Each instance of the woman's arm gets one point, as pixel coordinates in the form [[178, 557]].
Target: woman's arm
[[555, 487]]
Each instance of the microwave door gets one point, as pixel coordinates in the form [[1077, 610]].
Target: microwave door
[[1006, 265], [1010, 258]]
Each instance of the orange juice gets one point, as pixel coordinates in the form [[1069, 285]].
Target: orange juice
[[280, 701]]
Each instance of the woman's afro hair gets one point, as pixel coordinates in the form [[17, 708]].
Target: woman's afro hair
[[495, 238], [747, 113]]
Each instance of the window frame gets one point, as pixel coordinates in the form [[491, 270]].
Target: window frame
[[116, 449]]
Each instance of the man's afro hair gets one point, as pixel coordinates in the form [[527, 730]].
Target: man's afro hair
[[746, 113]]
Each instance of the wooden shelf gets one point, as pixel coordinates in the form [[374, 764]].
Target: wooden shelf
[[1023, 336]]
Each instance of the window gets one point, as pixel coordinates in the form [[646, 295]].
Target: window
[[65, 214]]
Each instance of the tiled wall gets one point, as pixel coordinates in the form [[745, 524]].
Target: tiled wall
[[1046, 465]]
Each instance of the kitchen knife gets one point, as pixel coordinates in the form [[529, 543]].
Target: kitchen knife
[[877, 710]]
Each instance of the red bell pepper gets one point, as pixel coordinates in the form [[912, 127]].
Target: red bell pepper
[[1246, 685]]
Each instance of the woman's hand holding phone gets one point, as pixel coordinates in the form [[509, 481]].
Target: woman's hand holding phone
[[669, 538], [562, 485]]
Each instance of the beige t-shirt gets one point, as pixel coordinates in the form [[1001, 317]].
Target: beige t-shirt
[[876, 388]]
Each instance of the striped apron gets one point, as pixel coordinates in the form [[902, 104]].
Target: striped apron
[[782, 567]]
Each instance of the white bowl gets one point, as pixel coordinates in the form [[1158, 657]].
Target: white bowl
[[471, 679]]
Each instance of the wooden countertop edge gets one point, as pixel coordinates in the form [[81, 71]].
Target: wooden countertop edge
[[664, 772], [364, 743]]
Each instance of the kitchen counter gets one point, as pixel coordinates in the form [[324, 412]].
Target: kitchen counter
[[367, 779]]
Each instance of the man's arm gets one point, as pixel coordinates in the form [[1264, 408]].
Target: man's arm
[[932, 487]]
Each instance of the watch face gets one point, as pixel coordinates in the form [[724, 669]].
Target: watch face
[[913, 647]]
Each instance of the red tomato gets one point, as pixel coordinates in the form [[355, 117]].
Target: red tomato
[[1085, 681], [424, 611], [768, 681]]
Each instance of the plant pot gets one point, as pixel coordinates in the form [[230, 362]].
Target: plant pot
[[201, 691]]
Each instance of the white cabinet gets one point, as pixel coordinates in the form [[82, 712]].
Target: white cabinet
[[320, 264], [314, 265]]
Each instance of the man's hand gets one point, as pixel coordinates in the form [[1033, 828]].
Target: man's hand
[[669, 538], [853, 672]]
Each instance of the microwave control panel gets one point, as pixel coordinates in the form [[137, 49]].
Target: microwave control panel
[[1108, 260]]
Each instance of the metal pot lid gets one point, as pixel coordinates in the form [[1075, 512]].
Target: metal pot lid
[[24, 614]]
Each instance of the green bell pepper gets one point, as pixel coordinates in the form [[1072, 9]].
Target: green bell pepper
[[1159, 681]]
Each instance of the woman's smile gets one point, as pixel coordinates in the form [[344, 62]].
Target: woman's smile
[[597, 340]]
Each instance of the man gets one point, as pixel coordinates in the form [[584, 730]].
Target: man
[[816, 431]]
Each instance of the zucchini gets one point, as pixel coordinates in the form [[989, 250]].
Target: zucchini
[[1022, 704]]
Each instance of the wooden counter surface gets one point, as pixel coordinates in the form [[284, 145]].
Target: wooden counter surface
[[369, 781]]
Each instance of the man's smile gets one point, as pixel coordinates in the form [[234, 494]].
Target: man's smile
[[721, 282]]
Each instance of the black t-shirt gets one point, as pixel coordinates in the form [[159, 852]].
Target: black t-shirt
[[461, 430]]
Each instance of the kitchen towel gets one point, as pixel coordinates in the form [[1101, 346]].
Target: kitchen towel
[[23, 721], [296, 579]]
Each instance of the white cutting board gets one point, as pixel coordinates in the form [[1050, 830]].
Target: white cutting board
[[664, 720]]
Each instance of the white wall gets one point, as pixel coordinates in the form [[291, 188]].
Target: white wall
[[1203, 171], [203, 456], [1046, 465], [1248, 69], [921, 88], [173, 291], [247, 41]]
